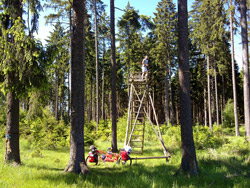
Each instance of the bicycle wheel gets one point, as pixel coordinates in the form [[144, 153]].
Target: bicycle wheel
[[128, 162], [96, 162], [87, 160], [119, 160]]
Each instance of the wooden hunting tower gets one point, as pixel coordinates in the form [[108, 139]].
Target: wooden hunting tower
[[139, 100]]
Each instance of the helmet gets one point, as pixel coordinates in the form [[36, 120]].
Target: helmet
[[128, 148], [92, 147]]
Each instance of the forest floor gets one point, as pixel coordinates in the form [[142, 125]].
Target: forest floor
[[217, 168]]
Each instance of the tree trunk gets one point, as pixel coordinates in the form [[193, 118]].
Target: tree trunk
[[110, 106], [103, 82], [171, 106], [209, 95], [216, 95], [221, 109], [193, 107], [77, 162], [245, 65], [93, 102], [213, 99], [69, 73], [237, 133], [12, 151], [113, 77], [85, 15], [166, 92], [189, 163], [56, 95], [96, 70], [223, 91], [177, 115], [205, 106]]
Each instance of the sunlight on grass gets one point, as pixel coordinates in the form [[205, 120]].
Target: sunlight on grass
[[217, 168]]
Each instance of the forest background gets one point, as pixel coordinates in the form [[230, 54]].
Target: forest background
[[45, 108]]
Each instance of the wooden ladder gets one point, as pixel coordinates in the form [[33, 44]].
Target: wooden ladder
[[136, 121], [138, 116], [139, 99]]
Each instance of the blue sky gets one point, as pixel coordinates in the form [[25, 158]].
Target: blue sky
[[146, 7]]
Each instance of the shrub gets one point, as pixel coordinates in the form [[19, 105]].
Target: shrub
[[121, 128], [149, 132], [228, 114], [204, 139], [218, 130], [104, 130], [238, 145], [172, 136], [2, 120], [44, 132], [228, 131], [37, 136], [89, 133]]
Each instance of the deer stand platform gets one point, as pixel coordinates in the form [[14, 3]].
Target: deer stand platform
[[139, 99]]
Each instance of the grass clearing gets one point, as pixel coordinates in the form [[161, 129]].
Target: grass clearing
[[217, 168]]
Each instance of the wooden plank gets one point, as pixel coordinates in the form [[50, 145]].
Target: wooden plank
[[156, 119], [165, 151], [135, 141], [129, 114], [161, 157], [137, 135], [137, 152]]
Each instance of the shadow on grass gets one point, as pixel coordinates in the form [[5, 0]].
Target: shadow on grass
[[120, 176], [212, 173], [44, 167], [59, 150]]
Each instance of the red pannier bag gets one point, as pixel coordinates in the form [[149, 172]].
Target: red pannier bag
[[116, 157], [124, 155], [91, 157]]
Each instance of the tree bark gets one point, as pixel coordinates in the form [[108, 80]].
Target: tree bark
[[166, 91], [245, 63], [221, 109], [205, 106], [171, 99], [209, 94], [103, 82], [237, 133], [77, 162], [56, 95], [223, 91], [113, 77], [189, 163], [216, 95], [110, 105], [12, 151], [97, 70], [69, 73], [91, 101]]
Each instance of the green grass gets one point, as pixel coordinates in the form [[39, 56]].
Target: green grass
[[217, 168]]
